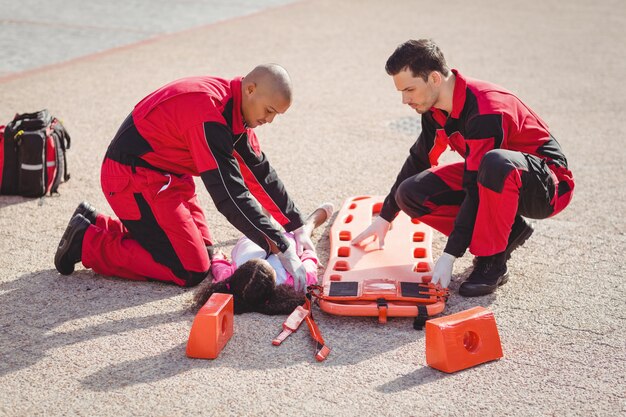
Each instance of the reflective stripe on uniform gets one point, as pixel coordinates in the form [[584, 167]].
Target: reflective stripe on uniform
[[31, 167]]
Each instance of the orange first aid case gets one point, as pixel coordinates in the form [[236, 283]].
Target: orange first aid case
[[367, 281]]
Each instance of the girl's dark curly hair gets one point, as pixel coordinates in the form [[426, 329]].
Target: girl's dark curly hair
[[253, 286]]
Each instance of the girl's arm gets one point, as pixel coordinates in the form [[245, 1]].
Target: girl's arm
[[221, 268], [309, 260]]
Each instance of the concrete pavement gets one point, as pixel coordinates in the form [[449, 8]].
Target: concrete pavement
[[92, 345]]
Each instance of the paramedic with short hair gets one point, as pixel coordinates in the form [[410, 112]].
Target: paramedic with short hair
[[197, 126], [513, 168]]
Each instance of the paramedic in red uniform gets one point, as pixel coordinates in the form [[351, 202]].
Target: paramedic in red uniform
[[513, 168], [198, 126]]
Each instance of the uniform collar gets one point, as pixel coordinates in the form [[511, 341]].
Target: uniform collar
[[458, 101], [239, 125], [458, 96]]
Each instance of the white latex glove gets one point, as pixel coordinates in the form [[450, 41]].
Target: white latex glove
[[293, 265], [442, 273], [378, 229], [303, 240]]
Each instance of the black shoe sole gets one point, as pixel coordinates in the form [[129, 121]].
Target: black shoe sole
[[87, 211], [467, 289], [78, 224]]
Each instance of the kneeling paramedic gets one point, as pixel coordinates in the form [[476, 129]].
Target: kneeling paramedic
[[198, 126]]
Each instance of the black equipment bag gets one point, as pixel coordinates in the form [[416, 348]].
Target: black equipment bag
[[32, 155]]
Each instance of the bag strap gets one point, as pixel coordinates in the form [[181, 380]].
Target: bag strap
[[64, 136], [34, 121], [64, 141], [422, 316], [290, 325], [321, 350], [295, 319]]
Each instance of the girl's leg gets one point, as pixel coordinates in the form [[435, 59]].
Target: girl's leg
[[318, 217]]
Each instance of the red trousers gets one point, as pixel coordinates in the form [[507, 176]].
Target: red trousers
[[161, 233], [509, 183]]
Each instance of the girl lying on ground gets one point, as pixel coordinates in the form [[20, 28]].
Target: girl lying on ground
[[259, 283]]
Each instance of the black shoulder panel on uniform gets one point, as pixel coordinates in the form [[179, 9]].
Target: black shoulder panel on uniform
[[228, 113], [129, 141], [485, 126]]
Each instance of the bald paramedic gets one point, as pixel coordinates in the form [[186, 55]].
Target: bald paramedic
[[198, 126]]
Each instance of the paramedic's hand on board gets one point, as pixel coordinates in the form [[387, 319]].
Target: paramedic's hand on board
[[293, 265], [378, 229], [303, 240], [442, 273]]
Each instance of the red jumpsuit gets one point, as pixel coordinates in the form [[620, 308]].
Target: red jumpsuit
[[190, 127], [513, 166]]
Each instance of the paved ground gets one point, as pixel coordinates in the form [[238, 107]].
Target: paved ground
[[93, 345]]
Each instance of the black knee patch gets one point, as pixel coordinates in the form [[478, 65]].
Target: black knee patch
[[494, 168], [410, 198], [195, 278], [415, 192]]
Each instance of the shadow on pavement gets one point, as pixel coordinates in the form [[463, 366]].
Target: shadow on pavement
[[10, 200], [352, 340], [36, 304], [145, 370], [421, 376], [252, 350]]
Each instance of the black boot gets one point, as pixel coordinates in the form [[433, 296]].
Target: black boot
[[87, 210], [489, 273], [520, 232], [71, 245]]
